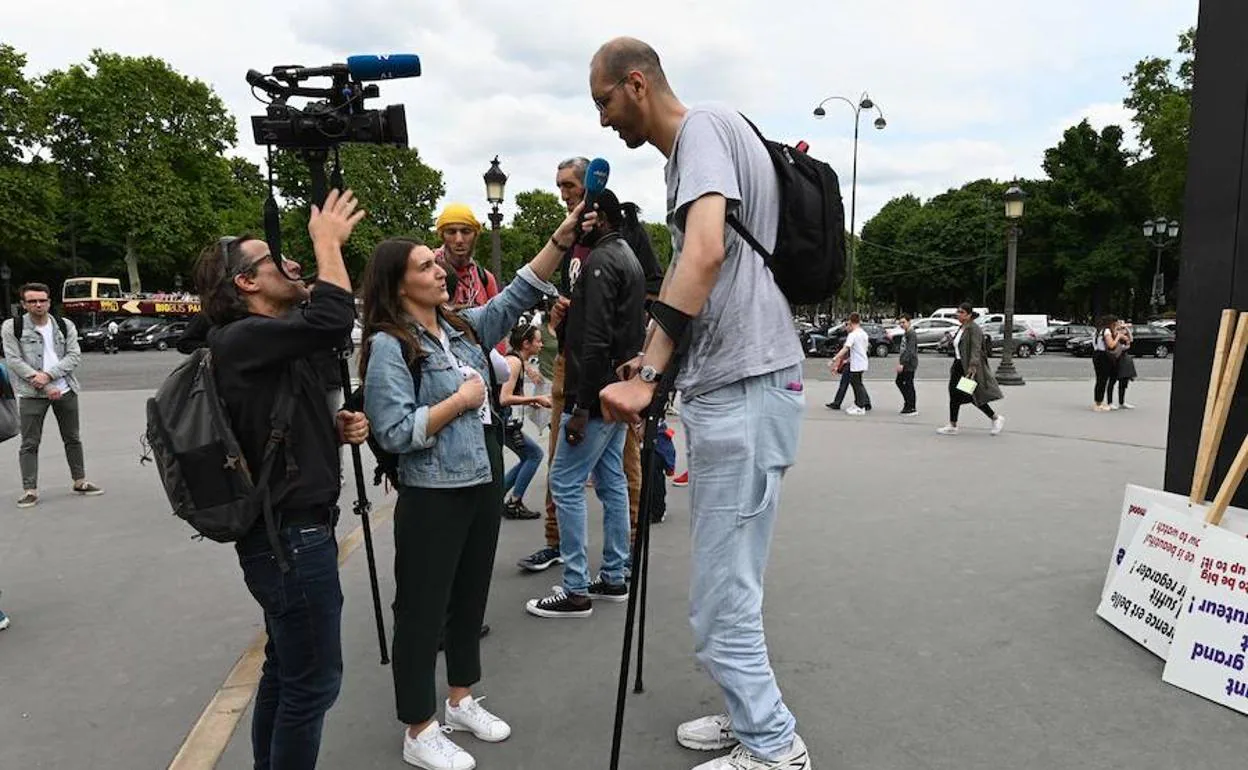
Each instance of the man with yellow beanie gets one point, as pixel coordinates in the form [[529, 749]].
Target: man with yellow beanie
[[458, 228]]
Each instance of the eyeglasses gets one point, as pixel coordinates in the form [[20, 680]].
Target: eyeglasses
[[37, 301], [601, 101]]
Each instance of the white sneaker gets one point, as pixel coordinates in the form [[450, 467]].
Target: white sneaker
[[998, 424], [471, 716], [948, 430], [855, 411], [1114, 407], [432, 750], [1128, 406], [713, 733], [797, 758]]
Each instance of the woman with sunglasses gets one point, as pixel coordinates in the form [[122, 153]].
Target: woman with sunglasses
[[449, 440]]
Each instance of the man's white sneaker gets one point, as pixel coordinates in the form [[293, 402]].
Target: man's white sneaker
[[797, 758], [471, 716], [1128, 406], [432, 750], [713, 733], [948, 430], [855, 411], [998, 424]]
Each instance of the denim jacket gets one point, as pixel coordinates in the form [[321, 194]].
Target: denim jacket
[[455, 456], [24, 357]]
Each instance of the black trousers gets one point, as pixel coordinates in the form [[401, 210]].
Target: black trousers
[[957, 398], [1103, 365], [444, 545], [905, 383]]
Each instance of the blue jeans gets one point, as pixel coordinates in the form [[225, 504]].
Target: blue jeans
[[517, 479], [741, 439], [601, 452], [303, 657]]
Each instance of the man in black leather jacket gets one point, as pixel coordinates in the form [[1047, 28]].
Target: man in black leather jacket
[[604, 328]]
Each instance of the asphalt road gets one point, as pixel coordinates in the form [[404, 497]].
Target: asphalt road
[[145, 370]]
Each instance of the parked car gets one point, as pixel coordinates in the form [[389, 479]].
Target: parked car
[[1058, 337], [91, 338], [1146, 340], [1026, 342], [878, 340], [928, 330], [161, 336]]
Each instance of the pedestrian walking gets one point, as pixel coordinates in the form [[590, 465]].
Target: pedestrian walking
[[970, 370], [907, 364], [855, 350]]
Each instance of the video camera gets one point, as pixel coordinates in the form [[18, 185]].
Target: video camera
[[340, 115]]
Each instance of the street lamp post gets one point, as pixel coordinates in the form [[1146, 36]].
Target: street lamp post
[[495, 183], [6, 275], [864, 103], [1006, 373], [1160, 234]]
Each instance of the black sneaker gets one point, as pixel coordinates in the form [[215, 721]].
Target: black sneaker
[[833, 405], [543, 559], [516, 510], [608, 592], [560, 605]]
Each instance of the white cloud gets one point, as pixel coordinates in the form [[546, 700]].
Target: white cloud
[[970, 88]]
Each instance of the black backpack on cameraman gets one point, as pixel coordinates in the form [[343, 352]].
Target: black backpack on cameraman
[[201, 463], [809, 260]]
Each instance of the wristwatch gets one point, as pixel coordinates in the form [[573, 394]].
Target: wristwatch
[[649, 374]]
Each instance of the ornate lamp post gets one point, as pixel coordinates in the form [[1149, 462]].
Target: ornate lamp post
[[1006, 373], [1160, 234], [864, 103], [495, 183]]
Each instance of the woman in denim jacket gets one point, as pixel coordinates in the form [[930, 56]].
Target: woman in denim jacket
[[449, 442]]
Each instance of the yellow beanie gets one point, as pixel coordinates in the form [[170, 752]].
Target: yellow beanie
[[458, 214]]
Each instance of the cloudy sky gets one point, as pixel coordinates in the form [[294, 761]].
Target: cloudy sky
[[970, 88]]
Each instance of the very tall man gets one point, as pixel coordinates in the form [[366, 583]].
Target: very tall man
[[740, 384]]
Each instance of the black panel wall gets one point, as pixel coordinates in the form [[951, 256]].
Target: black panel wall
[[1214, 266]]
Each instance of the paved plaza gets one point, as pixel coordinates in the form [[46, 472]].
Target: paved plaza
[[930, 604]]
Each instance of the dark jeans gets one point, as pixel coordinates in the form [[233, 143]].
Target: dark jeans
[[444, 544], [1103, 365], [861, 399], [32, 412], [957, 398], [905, 383], [303, 657], [1122, 391]]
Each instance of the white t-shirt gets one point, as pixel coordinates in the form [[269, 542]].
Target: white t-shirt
[[50, 358], [957, 338], [857, 343], [467, 371]]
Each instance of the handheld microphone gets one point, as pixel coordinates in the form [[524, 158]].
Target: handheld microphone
[[596, 175], [388, 67]]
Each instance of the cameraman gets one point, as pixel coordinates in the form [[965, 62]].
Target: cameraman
[[262, 339]]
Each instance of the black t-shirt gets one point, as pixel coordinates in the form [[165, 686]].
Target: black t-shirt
[[250, 356]]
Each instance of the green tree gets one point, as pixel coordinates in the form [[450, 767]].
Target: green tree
[[661, 240], [394, 186], [1161, 96], [29, 194], [139, 148], [538, 213]]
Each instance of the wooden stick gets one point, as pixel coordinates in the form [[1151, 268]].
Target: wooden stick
[[1226, 394], [1203, 471], [1230, 485]]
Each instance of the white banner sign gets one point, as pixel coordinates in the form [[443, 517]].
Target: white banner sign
[[1211, 643], [1144, 598]]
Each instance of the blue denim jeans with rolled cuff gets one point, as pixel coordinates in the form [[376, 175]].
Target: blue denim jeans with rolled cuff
[[741, 439], [601, 452], [521, 474], [302, 671]]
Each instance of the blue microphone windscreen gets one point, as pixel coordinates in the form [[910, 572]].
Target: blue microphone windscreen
[[596, 176], [396, 65]]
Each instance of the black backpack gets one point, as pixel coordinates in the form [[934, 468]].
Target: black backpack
[[19, 323], [387, 463], [200, 461], [809, 260]]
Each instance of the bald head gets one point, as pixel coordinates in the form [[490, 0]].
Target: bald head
[[616, 58]]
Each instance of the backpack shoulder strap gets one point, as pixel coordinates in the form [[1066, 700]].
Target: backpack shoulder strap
[[279, 427], [732, 219], [60, 322], [19, 322]]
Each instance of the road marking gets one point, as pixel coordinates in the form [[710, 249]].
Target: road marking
[[211, 734]]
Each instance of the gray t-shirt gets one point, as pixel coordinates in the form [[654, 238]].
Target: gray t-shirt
[[746, 327]]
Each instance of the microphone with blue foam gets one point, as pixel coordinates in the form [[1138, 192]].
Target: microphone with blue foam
[[384, 67], [596, 175]]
